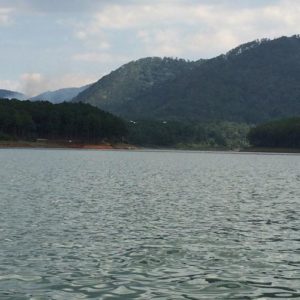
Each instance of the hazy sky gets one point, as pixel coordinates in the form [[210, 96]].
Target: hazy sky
[[49, 44]]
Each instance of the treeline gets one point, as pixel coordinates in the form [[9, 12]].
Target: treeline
[[284, 133], [26, 120], [188, 134], [66, 121]]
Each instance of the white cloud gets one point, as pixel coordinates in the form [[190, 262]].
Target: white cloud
[[32, 84], [5, 16], [122, 17], [29, 83], [193, 28], [11, 85], [99, 57], [165, 42], [72, 80], [107, 34]]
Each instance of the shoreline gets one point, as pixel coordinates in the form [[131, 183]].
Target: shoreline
[[122, 146], [64, 145]]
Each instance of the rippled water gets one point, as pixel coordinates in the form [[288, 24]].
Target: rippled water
[[148, 225]]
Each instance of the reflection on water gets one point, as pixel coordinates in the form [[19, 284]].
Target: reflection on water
[[148, 225]]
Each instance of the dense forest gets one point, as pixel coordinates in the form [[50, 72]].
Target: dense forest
[[67, 121], [117, 90], [284, 133], [253, 83], [191, 135], [25, 120]]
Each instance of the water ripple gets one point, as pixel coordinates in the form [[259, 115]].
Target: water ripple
[[148, 225]]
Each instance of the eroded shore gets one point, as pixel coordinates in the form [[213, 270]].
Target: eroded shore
[[124, 146], [67, 145]]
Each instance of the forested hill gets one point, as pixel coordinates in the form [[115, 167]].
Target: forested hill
[[255, 82], [126, 85], [11, 95], [284, 133], [23, 120], [61, 95]]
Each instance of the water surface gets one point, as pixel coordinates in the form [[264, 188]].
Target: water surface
[[148, 225]]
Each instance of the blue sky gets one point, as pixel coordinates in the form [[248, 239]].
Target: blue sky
[[50, 44]]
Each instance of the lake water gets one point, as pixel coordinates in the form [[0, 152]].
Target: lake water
[[148, 225]]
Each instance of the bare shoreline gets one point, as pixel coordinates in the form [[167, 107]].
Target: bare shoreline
[[64, 145], [123, 146]]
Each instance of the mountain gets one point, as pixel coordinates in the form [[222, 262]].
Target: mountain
[[124, 86], [11, 95], [254, 82], [59, 96]]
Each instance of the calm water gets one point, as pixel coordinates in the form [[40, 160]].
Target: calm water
[[148, 225]]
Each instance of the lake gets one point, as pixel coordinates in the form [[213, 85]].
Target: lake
[[148, 225]]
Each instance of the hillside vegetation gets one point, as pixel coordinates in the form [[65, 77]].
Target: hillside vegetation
[[253, 83], [283, 133], [23, 120], [188, 135], [119, 90], [83, 123], [11, 95]]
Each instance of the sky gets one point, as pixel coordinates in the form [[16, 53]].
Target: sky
[[52, 44]]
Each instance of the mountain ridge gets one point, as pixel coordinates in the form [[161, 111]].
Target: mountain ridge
[[8, 94], [254, 82], [133, 79], [60, 95]]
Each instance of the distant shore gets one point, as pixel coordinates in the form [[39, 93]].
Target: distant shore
[[270, 150], [65, 145], [124, 146]]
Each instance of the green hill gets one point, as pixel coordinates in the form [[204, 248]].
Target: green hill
[[126, 85], [26, 120], [60, 96], [284, 133], [252, 83], [11, 95]]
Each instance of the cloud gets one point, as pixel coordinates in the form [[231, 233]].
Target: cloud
[[192, 28], [32, 84], [96, 36], [99, 57], [53, 6], [11, 85], [162, 42], [5, 16], [189, 28], [72, 80]]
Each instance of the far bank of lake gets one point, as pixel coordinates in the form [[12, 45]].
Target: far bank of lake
[[125, 146]]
